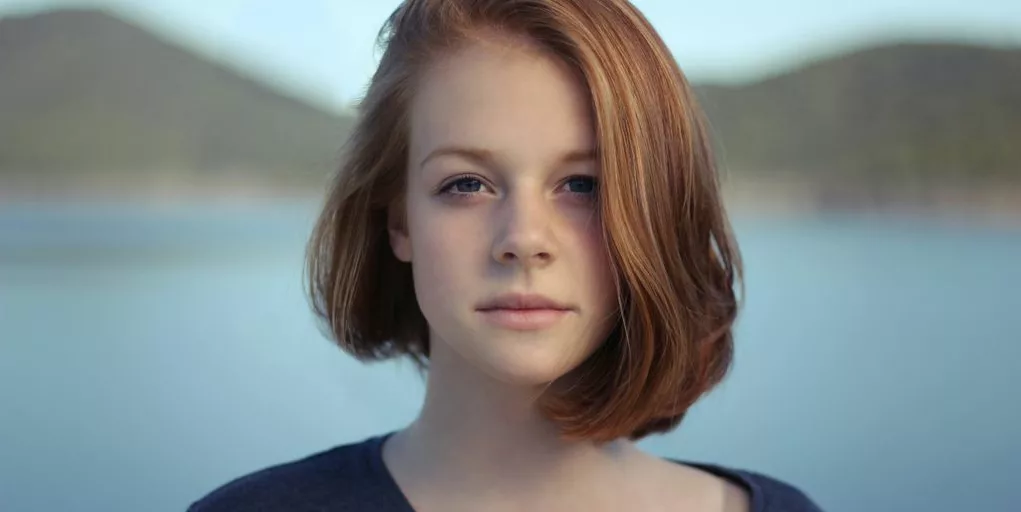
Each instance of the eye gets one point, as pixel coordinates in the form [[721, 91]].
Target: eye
[[583, 185], [466, 185]]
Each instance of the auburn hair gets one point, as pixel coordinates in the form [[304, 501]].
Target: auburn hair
[[674, 257]]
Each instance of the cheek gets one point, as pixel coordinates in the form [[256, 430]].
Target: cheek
[[589, 235], [446, 248], [597, 266]]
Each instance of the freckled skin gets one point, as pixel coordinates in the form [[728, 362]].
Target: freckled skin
[[511, 215], [520, 220]]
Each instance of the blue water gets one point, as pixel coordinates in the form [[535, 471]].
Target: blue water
[[150, 354]]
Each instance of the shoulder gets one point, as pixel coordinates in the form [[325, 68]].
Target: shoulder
[[340, 478], [764, 493], [780, 496]]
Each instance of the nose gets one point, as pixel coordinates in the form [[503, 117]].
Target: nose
[[525, 233]]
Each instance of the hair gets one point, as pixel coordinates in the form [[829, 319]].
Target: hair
[[673, 254]]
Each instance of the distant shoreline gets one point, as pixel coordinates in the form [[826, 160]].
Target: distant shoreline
[[993, 204], [998, 203], [168, 188]]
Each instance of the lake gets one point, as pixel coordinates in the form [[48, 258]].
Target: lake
[[151, 353]]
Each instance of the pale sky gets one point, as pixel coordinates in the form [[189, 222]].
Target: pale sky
[[324, 49]]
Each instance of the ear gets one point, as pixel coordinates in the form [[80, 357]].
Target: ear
[[397, 226]]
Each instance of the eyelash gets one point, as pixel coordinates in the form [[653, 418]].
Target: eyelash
[[448, 187]]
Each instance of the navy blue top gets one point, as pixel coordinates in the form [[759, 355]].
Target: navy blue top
[[353, 478]]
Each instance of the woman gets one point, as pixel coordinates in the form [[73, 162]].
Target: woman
[[529, 209]]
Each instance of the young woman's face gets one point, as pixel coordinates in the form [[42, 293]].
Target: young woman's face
[[503, 232]]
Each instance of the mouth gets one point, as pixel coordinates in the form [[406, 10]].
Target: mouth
[[523, 312]]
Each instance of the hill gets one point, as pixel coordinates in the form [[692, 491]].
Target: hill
[[84, 91], [898, 114], [85, 94]]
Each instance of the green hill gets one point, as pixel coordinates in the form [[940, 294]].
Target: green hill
[[84, 91], [905, 113]]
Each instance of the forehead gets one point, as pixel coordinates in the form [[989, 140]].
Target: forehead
[[510, 98]]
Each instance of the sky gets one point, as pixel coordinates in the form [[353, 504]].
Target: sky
[[324, 50]]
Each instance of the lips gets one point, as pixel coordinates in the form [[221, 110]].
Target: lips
[[519, 301], [522, 312]]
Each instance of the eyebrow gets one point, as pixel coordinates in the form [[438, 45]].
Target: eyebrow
[[486, 157]]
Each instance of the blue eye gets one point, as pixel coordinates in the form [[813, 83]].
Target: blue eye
[[467, 185], [581, 184], [463, 186]]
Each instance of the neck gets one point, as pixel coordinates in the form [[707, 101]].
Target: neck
[[475, 429]]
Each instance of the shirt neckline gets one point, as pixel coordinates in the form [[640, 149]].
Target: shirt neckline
[[374, 454]]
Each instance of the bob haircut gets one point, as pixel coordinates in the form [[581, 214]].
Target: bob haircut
[[674, 258]]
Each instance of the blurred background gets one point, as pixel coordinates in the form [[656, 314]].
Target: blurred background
[[161, 164]]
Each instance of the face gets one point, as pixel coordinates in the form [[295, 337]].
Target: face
[[502, 228]]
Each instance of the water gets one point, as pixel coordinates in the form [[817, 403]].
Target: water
[[148, 355]]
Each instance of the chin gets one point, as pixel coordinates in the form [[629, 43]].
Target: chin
[[527, 363], [519, 358]]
